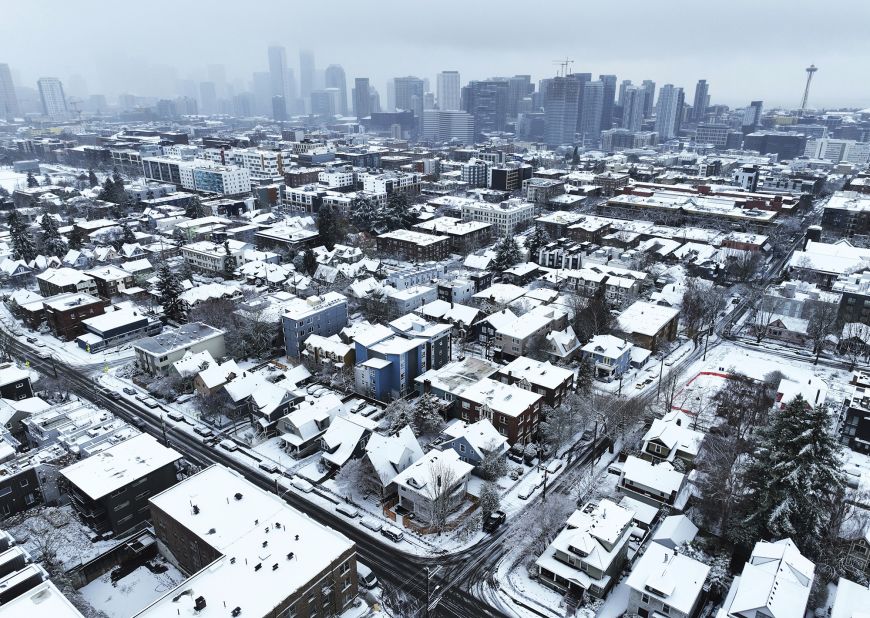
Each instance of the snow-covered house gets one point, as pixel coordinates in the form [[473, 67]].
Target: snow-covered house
[[473, 442], [390, 455], [785, 328], [330, 352], [610, 356], [208, 380], [775, 583], [433, 486], [813, 390], [345, 439], [665, 583], [15, 271], [852, 600], [671, 438], [563, 344], [301, 429], [587, 555], [192, 362], [652, 483]]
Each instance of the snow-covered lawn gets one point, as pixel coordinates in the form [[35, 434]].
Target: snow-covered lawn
[[131, 593], [10, 180]]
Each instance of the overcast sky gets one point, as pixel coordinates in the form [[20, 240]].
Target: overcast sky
[[745, 49]]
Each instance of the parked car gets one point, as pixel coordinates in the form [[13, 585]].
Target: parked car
[[495, 519], [32, 340], [228, 445], [302, 485], [268, 466], [372, 524], [129, 391], [365, 577], [348, 510]]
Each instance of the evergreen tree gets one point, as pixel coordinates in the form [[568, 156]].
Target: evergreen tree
[[427, 414], [76, 238], [397, 214], [31, 180], [309, 262], [507, 253], [363, 214], [22, 242], [128, 237], [537, 239], [575, 158], [93, 181], [52, 242], [170, 290], [46, 180], [108, 190], [194, 209], [793, 480], [490, 499], [585, 376], [328, 226], [230, 262]]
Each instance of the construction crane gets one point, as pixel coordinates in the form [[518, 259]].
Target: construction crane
[[565, 66], [810, 72]]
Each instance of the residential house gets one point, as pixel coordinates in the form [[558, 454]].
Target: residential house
[[156, 354], [775, 582], [528, 331], [302, 428], [391, 455], [654, 484], [319, 315], [345, 439], [216, 375], [59, 280], [609, 356], [563, 344], [387, 364], [666, 583], [649, 325], [111, 280], [448, 382], [14, 382], [785, 328], [513, 411], [855, 427], [670, 439], [328, 352], [66, 313], [588, 554], [474, 443], [675, 530], [433, 486], [852, 600]]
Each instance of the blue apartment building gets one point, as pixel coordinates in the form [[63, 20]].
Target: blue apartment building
[[387, 364], [316, 315]]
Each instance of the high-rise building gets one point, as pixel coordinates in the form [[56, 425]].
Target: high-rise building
[[362, 102], [409, 95], [448, 89], [752, 115], [649, 88], [261, 86], [699, 106], [53, 100], [582, 79], [8, 99], [448, 125], [486, 100], [217, 74], [519, 87], [633, 99], [306, 76], [325, 102], [278, 76], [207, 98], [590, 111], [669, 112], [561, 104], [334, 78], [620, 100], [609, 82]]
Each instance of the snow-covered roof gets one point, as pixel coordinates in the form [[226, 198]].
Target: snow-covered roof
[[661, 477], [645, 318], [390, 455], [673, 578], [333, 344], [63, 276], [538, 373], [675, 530], [343, 436], [42, 601], [643, 513], [675, 436], [500, 397], [248, 526], [776, 580], [836, 258], [500, 293], [451, 312], [300, 308], [114, 319], [853, 600], [424, 476], [481, 435], [116, 467], [9, 374], [456, 376], [607, 346], [190, 363], [813, 390]]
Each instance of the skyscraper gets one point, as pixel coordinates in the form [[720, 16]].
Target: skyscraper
[[591, 111], [486, 100], [306, 76], [217, 74], [448, 125], [582, 79], [277, 76], [334, 78], [448, 90], [561, 104], [409, 95], [8, 99], [752, 116], [620, 99], [699, 106], [53, 100], [609, 82], [633, 99], [207, 98], [669, 112], [649, 87], [261, 86], [362, 102], [519, 87]]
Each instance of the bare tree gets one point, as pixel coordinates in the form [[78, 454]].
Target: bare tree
[[443, 480], [853, 343], [821, 323]]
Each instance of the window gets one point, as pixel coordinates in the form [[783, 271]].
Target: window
[[644, 598], [24, 482], [666, 609]]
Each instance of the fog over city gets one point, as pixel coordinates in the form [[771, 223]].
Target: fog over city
[[745, 49]]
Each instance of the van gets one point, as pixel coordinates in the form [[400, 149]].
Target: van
[[365, 577], [228, 445], [372, 524], [393, 533], [268, 466]]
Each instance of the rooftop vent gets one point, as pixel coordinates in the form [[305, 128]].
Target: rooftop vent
[[236, 612], [199, 604], [238, 496], [195, 510], [257, 567]]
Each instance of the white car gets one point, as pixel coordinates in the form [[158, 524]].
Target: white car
[[302, 485]]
